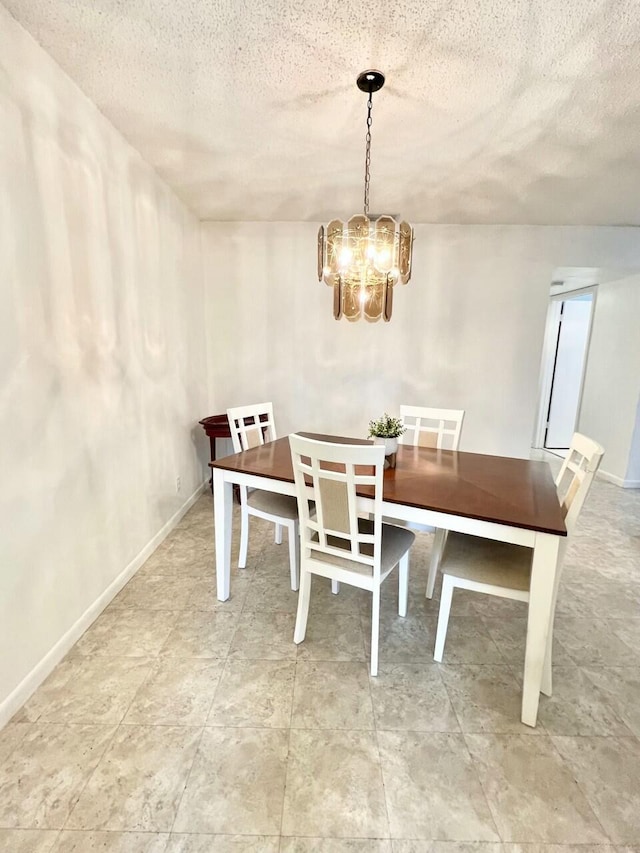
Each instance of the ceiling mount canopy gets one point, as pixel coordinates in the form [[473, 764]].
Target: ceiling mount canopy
[[370, 81], [363, 258]]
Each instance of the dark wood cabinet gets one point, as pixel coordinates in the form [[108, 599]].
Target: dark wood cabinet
[[215, 426]]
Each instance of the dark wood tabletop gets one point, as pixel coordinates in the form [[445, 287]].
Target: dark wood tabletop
[[517, 492]]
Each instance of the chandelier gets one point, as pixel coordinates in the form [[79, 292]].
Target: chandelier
[[364, 258]]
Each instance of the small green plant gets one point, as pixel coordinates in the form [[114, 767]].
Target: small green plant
[[386, 427]]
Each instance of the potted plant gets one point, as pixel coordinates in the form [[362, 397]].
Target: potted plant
[[385, 430]]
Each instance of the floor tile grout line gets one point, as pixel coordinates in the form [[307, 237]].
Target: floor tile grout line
[[153, 667], [29, 724], [601, 693], [482, 787], [451, 703], [55, 841], [91, 775], [623, 641], [567, 766], [214, 695], [377, 742], [286, 774], [186, 781], [225, 660]]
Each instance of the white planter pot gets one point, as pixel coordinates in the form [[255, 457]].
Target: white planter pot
[[390, 444]]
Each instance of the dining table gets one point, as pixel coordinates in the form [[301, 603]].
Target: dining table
[[496, 497]]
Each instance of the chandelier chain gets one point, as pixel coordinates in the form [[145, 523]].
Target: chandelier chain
[[367, 156]]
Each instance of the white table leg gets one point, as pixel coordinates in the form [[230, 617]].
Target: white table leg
[[222, 510], [439, 541], [541, 595], [547, 673]]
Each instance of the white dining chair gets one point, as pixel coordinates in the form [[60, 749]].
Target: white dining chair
[[335, 542], [503, 569], [251, 426], [429, 427], [439, 428]]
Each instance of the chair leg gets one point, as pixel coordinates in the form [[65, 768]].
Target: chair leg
[[375, 629], [403, 585], [439, 540], [294, 548], [244, 537], [335, 586], [443, 617], [303, 607], [547, 679], [278, 538]]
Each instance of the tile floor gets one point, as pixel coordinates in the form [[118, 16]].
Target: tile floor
[[181, 725]]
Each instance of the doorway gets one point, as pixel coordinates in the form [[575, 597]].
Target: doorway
[[566, 349]]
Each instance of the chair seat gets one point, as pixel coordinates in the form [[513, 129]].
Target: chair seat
[[485, 561], [283, 505], [396, 541]]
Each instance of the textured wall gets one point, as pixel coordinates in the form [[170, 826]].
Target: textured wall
[[612, 380], [466, 331], [102, 354]]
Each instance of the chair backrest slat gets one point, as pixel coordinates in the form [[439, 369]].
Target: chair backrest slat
[[327, 476], [427, 427], [251, 426], [576, 475]]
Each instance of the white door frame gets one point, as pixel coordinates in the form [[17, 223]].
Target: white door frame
[[548, 356]]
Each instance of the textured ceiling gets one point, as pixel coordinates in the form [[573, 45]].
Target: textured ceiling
[[495, 111]]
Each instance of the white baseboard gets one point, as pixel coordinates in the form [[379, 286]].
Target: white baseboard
[[45, 666], [619, 481]]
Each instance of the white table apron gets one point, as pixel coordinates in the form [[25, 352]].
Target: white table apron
[[547, 548]]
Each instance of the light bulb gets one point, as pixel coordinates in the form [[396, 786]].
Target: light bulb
[[345, 257]]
